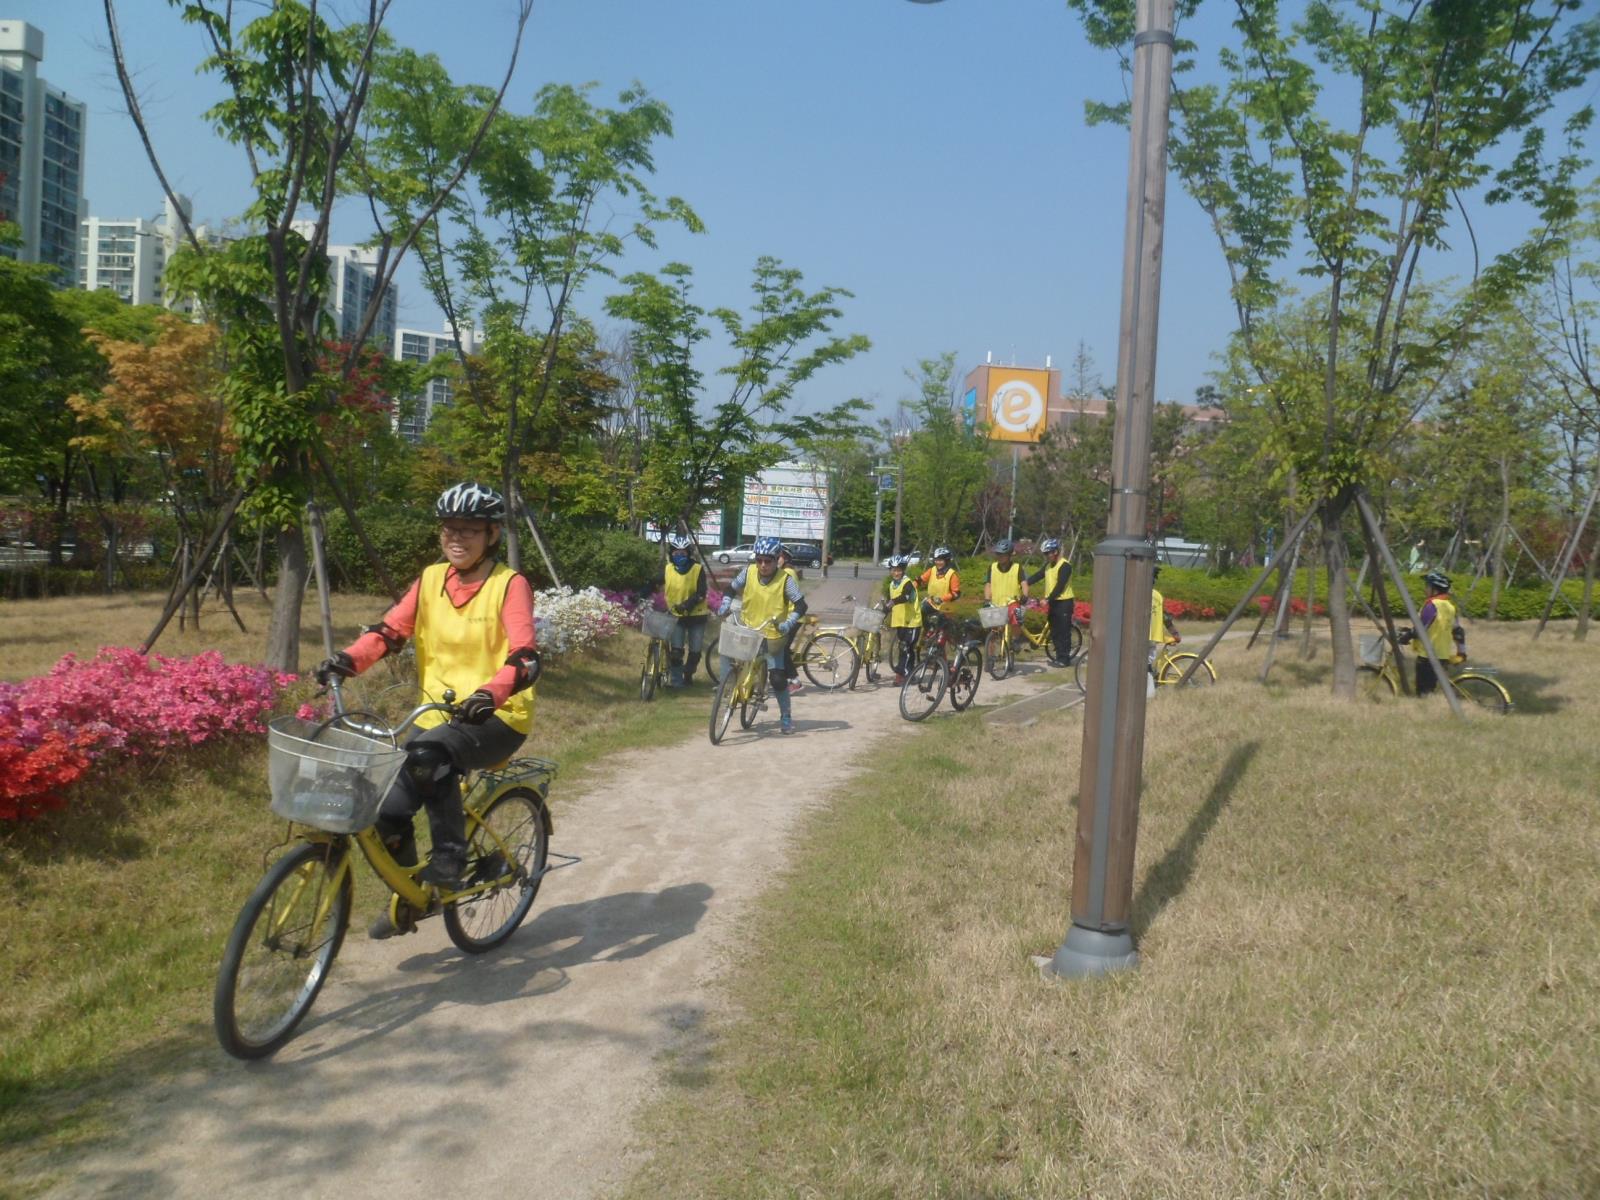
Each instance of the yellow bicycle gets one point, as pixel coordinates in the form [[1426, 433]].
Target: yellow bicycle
[[659, 628], [1003, 640], [743, 685], [1167, 667], [328, 779], [1378, 678]]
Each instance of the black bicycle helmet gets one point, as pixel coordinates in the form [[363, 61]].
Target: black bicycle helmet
[[1003, 546], [470, 502], [1438, 581]]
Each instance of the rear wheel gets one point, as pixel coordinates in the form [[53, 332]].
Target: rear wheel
[[830, 661], [281, 947], [1484, 692], [872, 656], [651, 675], [1204, 675], [1080, 672], [923, 688], [965, 677], [1374, 685], [510, 844], [724, 702], [998, 654]]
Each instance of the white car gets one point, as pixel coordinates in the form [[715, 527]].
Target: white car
[[744, 552], [913, 559]]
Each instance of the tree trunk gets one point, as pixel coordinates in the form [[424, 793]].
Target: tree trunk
[[283, 634], [1344, 659]]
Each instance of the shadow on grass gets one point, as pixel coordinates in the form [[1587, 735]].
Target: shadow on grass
[[1530, 694], [1167, 880]]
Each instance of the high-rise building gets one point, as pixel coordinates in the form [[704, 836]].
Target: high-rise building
[[130, 256], [352, 278], [42, 132], [421, 346]]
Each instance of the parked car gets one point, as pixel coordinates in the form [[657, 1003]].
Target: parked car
[[742, 553], [912, 559], [804, 554]]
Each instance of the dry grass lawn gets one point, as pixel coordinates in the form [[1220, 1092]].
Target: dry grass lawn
[[1371, 962]]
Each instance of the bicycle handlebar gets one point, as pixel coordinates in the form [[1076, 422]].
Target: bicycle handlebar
[[447, 705]]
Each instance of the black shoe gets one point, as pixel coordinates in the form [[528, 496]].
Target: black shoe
[[383, 925], [443, 870], [488, 868]]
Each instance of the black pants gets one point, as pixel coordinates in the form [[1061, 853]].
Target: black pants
[[431, 778], [905, 649], [1427, 681], [1060, 613]]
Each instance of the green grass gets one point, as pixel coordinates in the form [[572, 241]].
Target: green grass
[[117, 907], [1371, 963]]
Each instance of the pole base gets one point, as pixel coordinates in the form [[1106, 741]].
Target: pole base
[[1089, 952]]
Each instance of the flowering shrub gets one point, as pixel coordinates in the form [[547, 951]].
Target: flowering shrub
[[119, 702], [566, 621], [1297, 606], [632, 605], [658, 601]]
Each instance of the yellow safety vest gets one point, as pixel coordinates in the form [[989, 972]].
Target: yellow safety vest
[[463, 648], [1441, 632], [765, 601], [1051, 571], [680, 587], [1158, 619], [939, 586], [1005, 586], [903, 616]]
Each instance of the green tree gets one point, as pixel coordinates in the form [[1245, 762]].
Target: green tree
[[944, 465], [836, 445], [697, 454], [1443, 101], [296, 91]]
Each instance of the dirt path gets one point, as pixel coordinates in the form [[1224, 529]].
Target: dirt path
[[421, 1069]]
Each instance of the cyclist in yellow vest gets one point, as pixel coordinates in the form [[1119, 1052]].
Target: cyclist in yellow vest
[[1056, 576], [684, 586], [768, 594], [471, 620], [1440, 627], [1005, 584], [905, 617], [941, 585]]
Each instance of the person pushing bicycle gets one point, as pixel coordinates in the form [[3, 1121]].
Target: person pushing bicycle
[[684, 586], [471, 619], [940, 584], [905, 615], [768, 594], [1005, 584], [1056, 575], [1439, 625], [1162, 631]]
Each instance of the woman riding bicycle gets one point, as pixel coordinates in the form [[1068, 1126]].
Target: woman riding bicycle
[[1005, 586], [472, 621], [768, 594], [905, 616], [684, 586], [940, 584]]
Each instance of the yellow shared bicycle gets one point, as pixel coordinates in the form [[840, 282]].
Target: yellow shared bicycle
[[1168, 668], [743, 685], [1378, 678], [328, 779], [1004, 641]]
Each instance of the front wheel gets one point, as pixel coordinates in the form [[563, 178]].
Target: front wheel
[[924, 688], [965, 677], [872, 656], [1080, 672], [509, 846], [1204, 675], [281, 947], [724, 702], [1484, 692], [830, 661], [999, 654], [651, 675], [1374, 685], [755, 696]]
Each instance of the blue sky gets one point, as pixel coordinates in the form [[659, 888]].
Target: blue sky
[[933, 159]]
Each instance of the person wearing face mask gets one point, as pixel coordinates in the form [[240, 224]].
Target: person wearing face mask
[[470, 618], [684, 585]]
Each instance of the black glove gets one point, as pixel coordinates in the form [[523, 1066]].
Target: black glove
[[476, 708], [341, 664], [1404, 634]]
